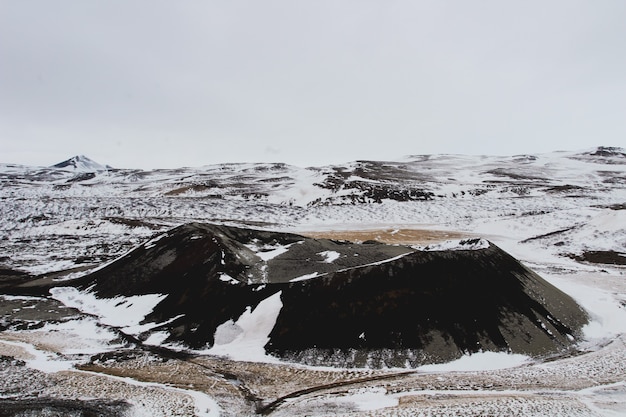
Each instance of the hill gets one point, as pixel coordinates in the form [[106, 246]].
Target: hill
[[334, 302]]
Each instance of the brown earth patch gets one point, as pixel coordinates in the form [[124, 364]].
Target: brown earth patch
[[390, 236]]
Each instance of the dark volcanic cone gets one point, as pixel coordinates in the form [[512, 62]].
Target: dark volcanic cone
[[343, 303], [425, 307], [211, 273]]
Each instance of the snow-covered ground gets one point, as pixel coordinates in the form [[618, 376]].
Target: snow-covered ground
[[546, 210]]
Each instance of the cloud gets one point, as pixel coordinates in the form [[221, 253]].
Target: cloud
[[316, 81]]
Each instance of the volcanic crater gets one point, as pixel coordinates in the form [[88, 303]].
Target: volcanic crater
[[341, 303]]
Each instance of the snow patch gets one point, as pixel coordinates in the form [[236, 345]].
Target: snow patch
[[245, 339], [123, 312], [82, 336], [205, 406], [229, 279], [609, 221], [156, 338], [227, 332], [482, 361], [329, 256], [369, 399], [306, 277], [268, 252], [152, 242], [607, 314], [378, 262]]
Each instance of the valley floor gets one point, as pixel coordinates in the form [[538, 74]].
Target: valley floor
[[589, 384]]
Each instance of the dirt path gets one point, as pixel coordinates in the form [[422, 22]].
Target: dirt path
[[270, 407]]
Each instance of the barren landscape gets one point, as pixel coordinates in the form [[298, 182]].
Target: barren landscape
[[562, 215]]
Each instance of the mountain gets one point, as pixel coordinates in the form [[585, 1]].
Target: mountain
[[415, 178], [334, 302], [80, 163]]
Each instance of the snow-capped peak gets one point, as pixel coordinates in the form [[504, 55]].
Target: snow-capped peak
[[80, 163]]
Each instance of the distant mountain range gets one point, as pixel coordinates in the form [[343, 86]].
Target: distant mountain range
[[541, 199], [415, 178], [604, 154]]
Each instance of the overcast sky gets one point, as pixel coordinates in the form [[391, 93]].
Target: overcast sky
[[148, 84]]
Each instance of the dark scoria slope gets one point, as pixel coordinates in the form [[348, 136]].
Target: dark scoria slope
[[212, 273], [372, 304], [428, 306]]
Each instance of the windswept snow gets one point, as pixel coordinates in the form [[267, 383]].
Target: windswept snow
[[123, 312], [482, 361], [81, 336], [228, 278], [306, 277], [606, 306], [380, 262], [42, 360], [245, 339], [268, 252], [152, 242], [368, 399], [330, 256]]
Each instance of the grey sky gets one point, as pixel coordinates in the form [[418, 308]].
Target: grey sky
[[186, 83]]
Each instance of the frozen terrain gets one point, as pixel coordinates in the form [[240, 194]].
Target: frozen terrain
[[563, 214]]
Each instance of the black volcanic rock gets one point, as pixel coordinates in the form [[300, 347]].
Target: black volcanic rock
[[343, 303], [606, 155], [428, 306], [212, 273], [609, 152], [10, 277], [373, 181]]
